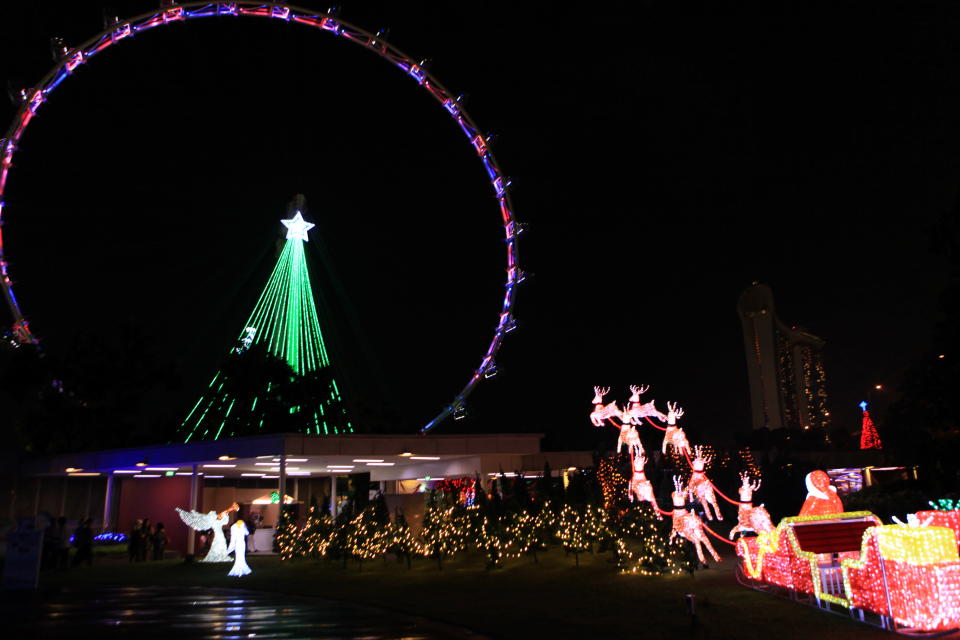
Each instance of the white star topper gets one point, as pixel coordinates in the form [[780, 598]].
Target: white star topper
[[297, 227]]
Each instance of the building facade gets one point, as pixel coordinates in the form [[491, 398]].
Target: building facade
[[784, 366], [117, 487]]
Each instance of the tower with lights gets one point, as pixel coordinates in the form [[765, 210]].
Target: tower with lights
[[784, 364], [279, 376]]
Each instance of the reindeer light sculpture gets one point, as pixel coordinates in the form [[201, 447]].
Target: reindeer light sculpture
[[629, 437], [674, 435], [639, 410], [687, 524], [641, 488], [749, 517], [600, 411], [700, 485]]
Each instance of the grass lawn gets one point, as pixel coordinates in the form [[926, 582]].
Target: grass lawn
[[552, 599]]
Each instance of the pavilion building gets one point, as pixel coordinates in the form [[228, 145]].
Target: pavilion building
[[117, 487]]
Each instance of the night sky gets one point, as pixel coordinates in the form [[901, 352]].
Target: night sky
[[665, 156]]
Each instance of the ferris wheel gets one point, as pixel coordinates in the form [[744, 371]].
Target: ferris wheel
[[72, 58]]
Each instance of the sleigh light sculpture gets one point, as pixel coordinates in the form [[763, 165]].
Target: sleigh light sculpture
[[898, 577]]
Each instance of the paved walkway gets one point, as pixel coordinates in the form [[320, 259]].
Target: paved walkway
[[194, 613]]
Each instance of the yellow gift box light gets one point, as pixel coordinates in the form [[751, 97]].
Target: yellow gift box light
[[917, 545]]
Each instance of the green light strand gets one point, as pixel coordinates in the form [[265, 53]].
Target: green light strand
[[286, 322]]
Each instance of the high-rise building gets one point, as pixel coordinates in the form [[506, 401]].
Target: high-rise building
[[784, 365]]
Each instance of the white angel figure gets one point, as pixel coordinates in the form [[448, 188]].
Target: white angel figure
[[238, 545], [215, 521]]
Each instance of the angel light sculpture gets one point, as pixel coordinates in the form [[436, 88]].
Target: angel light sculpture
[[749, 517], [700, 485], [238, 545], [215, 521]]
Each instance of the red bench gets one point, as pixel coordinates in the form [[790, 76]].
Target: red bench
[[832, 536]]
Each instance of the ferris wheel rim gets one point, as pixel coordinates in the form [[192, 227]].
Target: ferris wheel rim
[[72, 58]]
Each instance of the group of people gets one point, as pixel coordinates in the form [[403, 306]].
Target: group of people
[[146, 542], [57, 542]]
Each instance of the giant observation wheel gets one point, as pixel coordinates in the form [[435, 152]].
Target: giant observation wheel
[[72, 58]]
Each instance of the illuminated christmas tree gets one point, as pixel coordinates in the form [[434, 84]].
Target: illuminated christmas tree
[[338, 540], [369, 534], [488, 527], [402, 543], [278, 377], [442, 534], [579, 529], [285, 539], [315, 535], [869, 439], [642, 544]]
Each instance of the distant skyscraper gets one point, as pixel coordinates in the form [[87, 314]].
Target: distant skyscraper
[[784, 365]]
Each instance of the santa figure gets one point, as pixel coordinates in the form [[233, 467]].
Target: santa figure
[[822, 498]]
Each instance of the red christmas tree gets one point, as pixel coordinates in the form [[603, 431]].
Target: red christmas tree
[[869, 439]]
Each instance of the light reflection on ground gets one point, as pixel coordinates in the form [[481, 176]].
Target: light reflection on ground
[[194, 613]]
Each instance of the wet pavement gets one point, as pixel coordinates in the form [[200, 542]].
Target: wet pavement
[[194, 613]]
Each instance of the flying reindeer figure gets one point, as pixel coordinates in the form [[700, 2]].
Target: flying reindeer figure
[[629, 437], [639, 487], [686, 524], [639, 410], [749, 517], [700, 485], [674, 435], [600, 411]]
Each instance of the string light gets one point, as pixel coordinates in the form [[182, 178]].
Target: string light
[[579, 529], [285, 324], [449, 528], [945, 504]]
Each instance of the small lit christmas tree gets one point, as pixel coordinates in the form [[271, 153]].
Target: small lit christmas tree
[[402, 543], [285, 540], [315, 535], [531, 530], [869, 439], [578, 529], [642, 544], [441, 535], [487, 527], [367, 538], [337, 543], [369, 535]]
